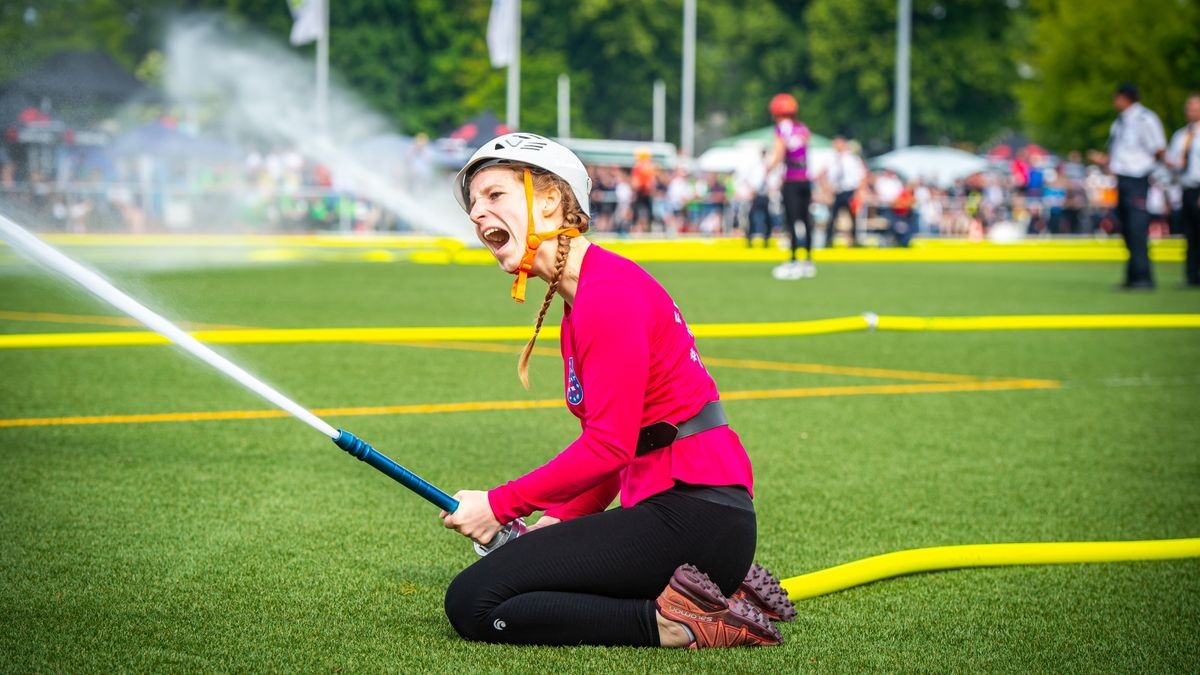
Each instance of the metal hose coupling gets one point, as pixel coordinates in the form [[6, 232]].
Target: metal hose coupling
[[506, 534]]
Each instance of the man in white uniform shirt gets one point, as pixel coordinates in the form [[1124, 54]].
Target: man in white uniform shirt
[[1184, 157], [845, 176], [1135, 145]]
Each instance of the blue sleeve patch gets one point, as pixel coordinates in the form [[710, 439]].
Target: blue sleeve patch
[[574, 388]]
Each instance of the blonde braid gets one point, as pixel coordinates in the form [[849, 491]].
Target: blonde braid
[[560, 263]]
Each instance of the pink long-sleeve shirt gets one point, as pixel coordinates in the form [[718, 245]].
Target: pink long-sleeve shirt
[[629, 361]]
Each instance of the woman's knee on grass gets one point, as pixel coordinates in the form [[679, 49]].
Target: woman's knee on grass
[[467, 606]]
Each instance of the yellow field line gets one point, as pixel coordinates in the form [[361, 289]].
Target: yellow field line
[[1038, 322], [476, 347], [235, 240], [889, 389], [780, 329], [98, 320], [413, 334], [747, 364], [750, 364], [449, 250], [822, 369], [219, 415], [273, 336], [713, 330], [725, 250], [427, 241], [478, 406]]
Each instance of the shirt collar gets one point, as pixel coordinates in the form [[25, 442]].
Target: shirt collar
[[1131, 110]]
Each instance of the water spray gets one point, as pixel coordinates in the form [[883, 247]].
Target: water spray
[[24, 242]]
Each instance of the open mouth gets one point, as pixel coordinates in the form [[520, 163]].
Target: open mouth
[[496, 237]]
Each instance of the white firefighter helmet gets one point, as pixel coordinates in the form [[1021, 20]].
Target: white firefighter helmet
[[526, 149]]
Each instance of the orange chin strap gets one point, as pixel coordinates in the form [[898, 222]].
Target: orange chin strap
[[533, 242]]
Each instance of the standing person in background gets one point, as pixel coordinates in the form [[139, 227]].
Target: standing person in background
[[845, 177], [644, 179], [1184, 157], [751, 181], [791, 149], [1135, 143], [888, 188], [1075, 199]]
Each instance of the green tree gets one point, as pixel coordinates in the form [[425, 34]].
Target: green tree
[[424, 64], [747, 53], [1080, 52], [962, 69], [34, 31]]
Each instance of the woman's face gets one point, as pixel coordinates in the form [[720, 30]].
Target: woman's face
[[500, 214]]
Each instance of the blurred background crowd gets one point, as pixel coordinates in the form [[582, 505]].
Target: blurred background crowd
[[141, 116], [161, 177]]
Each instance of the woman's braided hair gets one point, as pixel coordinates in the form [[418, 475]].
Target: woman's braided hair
[[573, 216]]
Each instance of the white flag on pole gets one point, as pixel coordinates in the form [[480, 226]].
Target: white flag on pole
[[307, 25], [500, 33]]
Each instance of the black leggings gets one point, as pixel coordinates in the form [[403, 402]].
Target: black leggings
[[593, 580], [797, 197]]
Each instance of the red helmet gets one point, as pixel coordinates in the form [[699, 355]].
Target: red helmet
[[783, 105]]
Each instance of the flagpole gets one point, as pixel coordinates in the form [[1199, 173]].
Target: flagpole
[[687, 122], [564, 106], [323, 70], [660, 111], [514, 71], [903, 51]]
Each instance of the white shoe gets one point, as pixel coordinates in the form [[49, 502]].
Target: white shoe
[[808, 269], [788, 271]]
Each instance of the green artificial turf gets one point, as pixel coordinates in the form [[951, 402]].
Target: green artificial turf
[[256, 545]]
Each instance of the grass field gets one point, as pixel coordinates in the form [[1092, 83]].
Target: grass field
[[255, 545]]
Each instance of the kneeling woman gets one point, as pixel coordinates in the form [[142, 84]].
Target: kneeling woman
[[660, 569]]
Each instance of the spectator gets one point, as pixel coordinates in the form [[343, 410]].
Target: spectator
[[902, 207], [420, 167], [626, 198], [679, 192], [645, 184], [845, 177], [929, 209], [751, 180], [1135, 144], [1184, 157], [887, 189]]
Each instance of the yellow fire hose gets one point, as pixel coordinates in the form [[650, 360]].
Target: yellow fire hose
[[937, 558]]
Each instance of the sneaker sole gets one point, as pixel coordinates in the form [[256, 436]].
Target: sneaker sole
[[764, 590]]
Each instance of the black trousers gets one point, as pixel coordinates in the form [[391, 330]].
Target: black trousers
[[1135, 228], [797, 197], [841, 201], [1191, 229], [593, 580], [759, 218]]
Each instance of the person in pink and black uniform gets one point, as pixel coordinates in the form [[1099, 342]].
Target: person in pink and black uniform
[[791, 150], [659, 570]]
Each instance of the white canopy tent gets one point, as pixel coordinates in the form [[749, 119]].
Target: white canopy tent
[[938, 165], [732, 158]]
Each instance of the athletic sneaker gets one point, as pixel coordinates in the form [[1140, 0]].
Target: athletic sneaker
[[788, 271], [808, 269], [763, 590], [692, 599]]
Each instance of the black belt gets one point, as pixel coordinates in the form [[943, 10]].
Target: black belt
[[662, 434]]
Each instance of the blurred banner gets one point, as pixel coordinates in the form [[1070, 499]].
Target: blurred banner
[[307, 26], [500, 33]]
